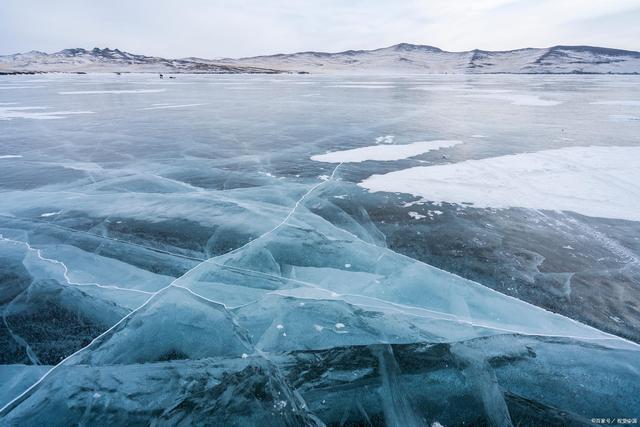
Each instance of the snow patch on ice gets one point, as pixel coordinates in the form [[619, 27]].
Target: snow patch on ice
[[365, 82], [594, 181], [168, 106], [11, 112], [414, 203], [444, 88], [352, 86], [95, 92], [628, 103], [10, 156], [7, 87], [385, 139], [48, 214], [416, 215], [383, 152], [280, 405]]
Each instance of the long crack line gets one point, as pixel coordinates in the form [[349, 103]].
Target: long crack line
[[66, 269]]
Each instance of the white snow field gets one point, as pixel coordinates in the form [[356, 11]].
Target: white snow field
[[596, 181]]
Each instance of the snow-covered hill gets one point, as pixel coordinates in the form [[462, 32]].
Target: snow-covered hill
[[411, 58], [400, 58], [113, 60]]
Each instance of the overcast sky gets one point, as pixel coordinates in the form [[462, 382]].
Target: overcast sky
[[214, 28]]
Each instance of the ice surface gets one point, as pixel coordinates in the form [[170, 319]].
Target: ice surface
[[195, 266], [629, 103], [519, 99], [17, 378]]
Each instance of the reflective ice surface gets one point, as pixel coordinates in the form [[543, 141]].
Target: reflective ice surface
[[171, 254]]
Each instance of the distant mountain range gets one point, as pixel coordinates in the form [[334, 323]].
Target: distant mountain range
[[400, 58], [114, 60]]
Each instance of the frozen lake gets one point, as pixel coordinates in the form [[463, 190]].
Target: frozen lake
[[375, 250]]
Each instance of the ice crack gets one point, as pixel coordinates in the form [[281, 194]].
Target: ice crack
[[17, 400]]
